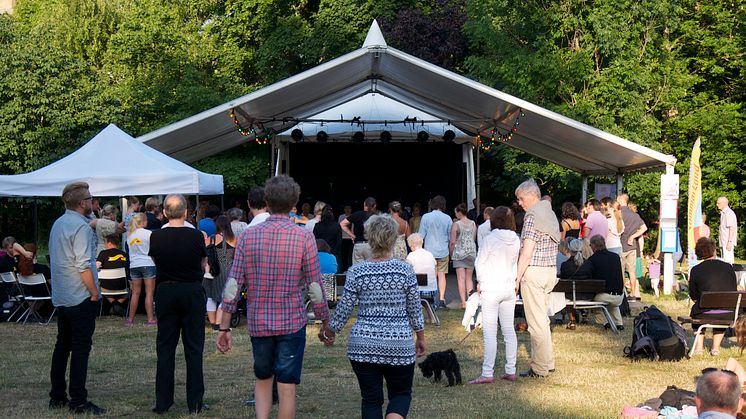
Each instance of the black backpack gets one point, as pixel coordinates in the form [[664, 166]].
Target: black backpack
[[657, 337]]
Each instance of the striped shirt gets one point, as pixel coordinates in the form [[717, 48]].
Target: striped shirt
[[276, 261], [545, 251]]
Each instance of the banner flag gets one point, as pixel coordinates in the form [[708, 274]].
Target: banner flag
[[694, 207]]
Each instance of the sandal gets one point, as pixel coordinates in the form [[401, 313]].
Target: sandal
[[152, 323], [128, 323], [482, 380], [571, 326], [715, 352]]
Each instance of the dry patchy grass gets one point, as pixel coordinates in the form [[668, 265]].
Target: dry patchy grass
[[593, 379]]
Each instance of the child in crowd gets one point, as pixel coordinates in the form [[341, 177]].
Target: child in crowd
[[113, 258]]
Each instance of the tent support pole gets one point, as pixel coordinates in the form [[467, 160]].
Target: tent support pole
[[196, 210], [477, 184], [272, 158], [619, 183], [36, 222], [584, 190]]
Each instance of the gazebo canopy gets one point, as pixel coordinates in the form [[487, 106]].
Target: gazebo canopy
[[376, 68]]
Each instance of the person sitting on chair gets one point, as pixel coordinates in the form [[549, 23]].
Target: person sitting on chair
[[605, 265], [113, 258], [710, 274], [423, 262]]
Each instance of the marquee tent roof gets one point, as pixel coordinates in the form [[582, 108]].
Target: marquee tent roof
[[377, 68], [114, 164], [378, 113]]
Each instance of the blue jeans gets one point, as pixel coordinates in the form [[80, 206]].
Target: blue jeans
[[75, 326], [280, 356], [398, 383]]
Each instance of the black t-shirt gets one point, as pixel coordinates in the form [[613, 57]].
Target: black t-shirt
[[358, 219], [331, 232], [177, 253], [7, 263], [114, 259], [710, 275], [603, 265], [153, 222]]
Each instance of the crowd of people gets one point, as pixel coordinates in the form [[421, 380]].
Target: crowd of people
[[197, 264]]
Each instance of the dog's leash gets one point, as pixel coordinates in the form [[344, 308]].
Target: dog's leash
[[462, 340]]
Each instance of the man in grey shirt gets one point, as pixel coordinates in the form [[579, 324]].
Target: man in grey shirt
[[75, 293], [435, 229]]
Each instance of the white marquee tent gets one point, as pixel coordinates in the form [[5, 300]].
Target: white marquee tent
[[114, 164]]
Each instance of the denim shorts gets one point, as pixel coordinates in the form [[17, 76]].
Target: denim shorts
[[142, 272], [281, 356]]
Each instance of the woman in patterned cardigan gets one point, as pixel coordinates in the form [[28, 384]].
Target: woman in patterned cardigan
[[381, 344]]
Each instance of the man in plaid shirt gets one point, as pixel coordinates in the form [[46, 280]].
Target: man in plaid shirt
[[276, 261], [537, 273]]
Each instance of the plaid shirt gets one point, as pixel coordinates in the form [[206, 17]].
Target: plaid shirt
[[545, 251], [276, 261]]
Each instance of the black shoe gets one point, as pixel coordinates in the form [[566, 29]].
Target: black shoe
[[552, 370], [531, 374], [88, 408], [619, 328], [202, 408], [58, 404], [156, 410], [442, 305]]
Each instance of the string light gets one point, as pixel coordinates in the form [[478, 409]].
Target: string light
[[497, 136], [246, 132]]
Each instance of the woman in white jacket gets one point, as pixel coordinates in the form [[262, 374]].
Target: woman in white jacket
[[497, 268]]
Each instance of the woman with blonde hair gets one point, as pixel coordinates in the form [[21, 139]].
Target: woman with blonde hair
[[463, 249], [381, 345], [142, 268]]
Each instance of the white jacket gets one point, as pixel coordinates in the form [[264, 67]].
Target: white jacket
[[497, 261]]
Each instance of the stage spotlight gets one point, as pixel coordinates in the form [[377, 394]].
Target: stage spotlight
[[358, 137], [385, 137], [449, 136], [422, 136], [322, 137], [297, 135]]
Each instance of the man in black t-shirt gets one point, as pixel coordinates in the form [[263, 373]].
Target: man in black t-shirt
[[361, 250], [179, 255]]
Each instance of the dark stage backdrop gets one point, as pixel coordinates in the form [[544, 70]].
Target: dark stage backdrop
[[345, 173]]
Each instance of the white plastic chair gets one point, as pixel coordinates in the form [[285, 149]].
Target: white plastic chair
[[30, 299], [115, 273], [15, 293]]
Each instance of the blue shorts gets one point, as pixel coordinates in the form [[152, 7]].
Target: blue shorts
[[281, 356], [142, 272]]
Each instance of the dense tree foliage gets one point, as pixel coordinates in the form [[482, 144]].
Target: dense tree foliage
[[659, 73]]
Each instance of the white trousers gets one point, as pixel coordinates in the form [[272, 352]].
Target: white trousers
[[498, 305], [728, 256]]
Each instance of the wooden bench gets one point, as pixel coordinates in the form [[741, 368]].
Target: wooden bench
[[577, 286], [716, 300]]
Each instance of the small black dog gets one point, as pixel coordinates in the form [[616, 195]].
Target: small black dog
[[439, 362]]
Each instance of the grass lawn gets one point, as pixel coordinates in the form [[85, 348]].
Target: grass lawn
[[593, 379]]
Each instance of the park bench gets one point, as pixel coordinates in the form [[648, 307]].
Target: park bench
[[578, 286], [731, 301]]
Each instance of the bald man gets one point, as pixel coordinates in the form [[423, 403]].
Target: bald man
[[718, 395], [728, 230]]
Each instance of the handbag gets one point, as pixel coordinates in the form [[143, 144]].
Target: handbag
[[212, 257]]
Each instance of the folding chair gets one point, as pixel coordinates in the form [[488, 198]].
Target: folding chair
[[426, 303], [116, 273], [14, 292], [31, 297]]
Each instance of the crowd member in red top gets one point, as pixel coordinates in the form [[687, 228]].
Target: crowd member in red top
[[276, 261]]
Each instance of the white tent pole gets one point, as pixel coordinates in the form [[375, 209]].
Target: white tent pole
[[584, 190], [668, 263], [477, 182], [619, 183]]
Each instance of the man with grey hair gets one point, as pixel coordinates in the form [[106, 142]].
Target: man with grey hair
[[72, 251], [634, 227], [728, 230], [605, 265], [435, 229], [718, 395], [537, 273], [180, 258], [275, 258]]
